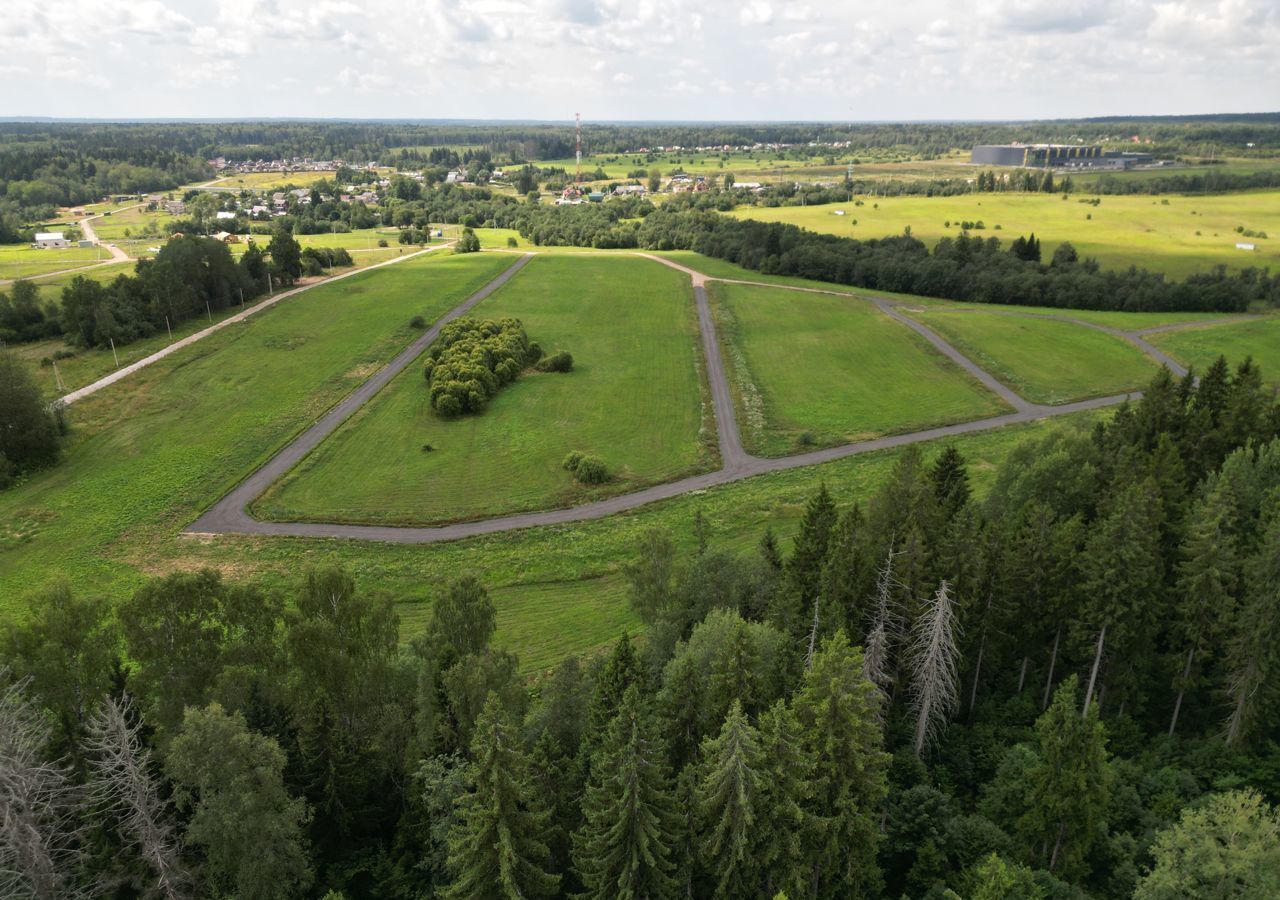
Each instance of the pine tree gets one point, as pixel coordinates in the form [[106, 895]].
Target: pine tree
[[727, 794], [620, 671], [934, 676], [497, 848], [624, 848], [1069, 787], [837, 709]]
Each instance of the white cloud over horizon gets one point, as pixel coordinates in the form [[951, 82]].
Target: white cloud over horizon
[[640, 59]]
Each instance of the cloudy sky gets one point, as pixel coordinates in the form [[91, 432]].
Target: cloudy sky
[[638, 59]]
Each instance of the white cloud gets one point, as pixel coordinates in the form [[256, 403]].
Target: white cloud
[[756, 12]]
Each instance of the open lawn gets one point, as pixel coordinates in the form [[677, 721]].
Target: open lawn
[[1199, 347], [813, 369], [633, 399], [1044, 360], [261, 181], [1176, 235]]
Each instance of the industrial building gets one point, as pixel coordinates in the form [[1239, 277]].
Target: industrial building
[[1056, 156]]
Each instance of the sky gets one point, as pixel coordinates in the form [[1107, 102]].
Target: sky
[[741, 60]]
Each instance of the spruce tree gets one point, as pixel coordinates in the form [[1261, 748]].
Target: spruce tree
[[847, 575], [729, 786], [620, 671], [1253, 657], [934, 668], [1208, 577], [624, 848], [497, 847], [950, 481], [837, 709], [794, 611], [1069, 786], [782, 844]]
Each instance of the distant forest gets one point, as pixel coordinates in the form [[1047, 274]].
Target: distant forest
[[44, 164]]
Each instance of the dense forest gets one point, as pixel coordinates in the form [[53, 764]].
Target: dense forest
[[1066, 688], [45, 164]]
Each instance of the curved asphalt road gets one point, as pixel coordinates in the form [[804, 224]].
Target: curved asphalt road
[[229, 515]]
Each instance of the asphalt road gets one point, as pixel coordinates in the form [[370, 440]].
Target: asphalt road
[[230, 515]]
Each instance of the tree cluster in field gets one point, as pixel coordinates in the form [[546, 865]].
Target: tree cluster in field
[[30, 431], [1065, 689], [586, 469], [316, 259], [473, 359]]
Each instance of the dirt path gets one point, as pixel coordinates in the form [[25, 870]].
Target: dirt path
[[231, 320], [230, 514]]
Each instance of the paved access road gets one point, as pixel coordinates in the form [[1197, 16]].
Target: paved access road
[[230, 514]]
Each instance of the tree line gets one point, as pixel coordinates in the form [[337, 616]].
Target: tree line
[[1064, 688]]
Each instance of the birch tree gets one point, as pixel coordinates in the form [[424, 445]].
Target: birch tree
[[934, 657]]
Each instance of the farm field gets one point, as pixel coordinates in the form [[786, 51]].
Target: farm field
[[263, 181], [1199, 347], [816, 370], [1155, 233], [633, 399], [1044, 360]]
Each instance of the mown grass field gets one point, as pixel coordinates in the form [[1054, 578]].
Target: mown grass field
[[1044, 360], [25, 261], [1199, 347], [1158, 233], [149, 453], [634, 399], [813, 369]]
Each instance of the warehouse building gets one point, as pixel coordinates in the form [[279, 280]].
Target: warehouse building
[[1056, 156]]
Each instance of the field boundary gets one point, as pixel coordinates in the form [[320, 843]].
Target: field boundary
[[230, 514]]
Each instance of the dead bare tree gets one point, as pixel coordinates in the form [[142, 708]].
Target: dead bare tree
[[934, 658], [884, 632], [39, 835], [121, 784]]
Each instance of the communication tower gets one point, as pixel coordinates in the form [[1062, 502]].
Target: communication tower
[[578, 174]]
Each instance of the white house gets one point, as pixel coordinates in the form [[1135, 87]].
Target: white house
[[51, 239], [1239, 245], [224, 214]]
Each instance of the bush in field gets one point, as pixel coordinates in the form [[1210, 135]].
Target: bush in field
[[571, 461], [471, 360], [418, 322], [560, 361], [591, 470]]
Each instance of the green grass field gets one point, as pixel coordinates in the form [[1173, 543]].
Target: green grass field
[[1199, 347], [25, 261], [143, 462], [833, 369], [1044, 360], [634, 399], [149, 453], [1158, 233]]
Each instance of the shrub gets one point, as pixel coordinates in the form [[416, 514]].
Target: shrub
[[382, 242], [571, 461], [418, 322], [468, 243], [560, 361], [512, 242], [591, 470]]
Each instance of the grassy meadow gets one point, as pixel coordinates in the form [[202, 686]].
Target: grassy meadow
[[813, 369], [1199, 347], [634, 399], [1044, 360], [25, 261], [1177, 235]]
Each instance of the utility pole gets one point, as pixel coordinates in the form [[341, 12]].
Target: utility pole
[[57, 377], [209, 311], [113, 351]]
